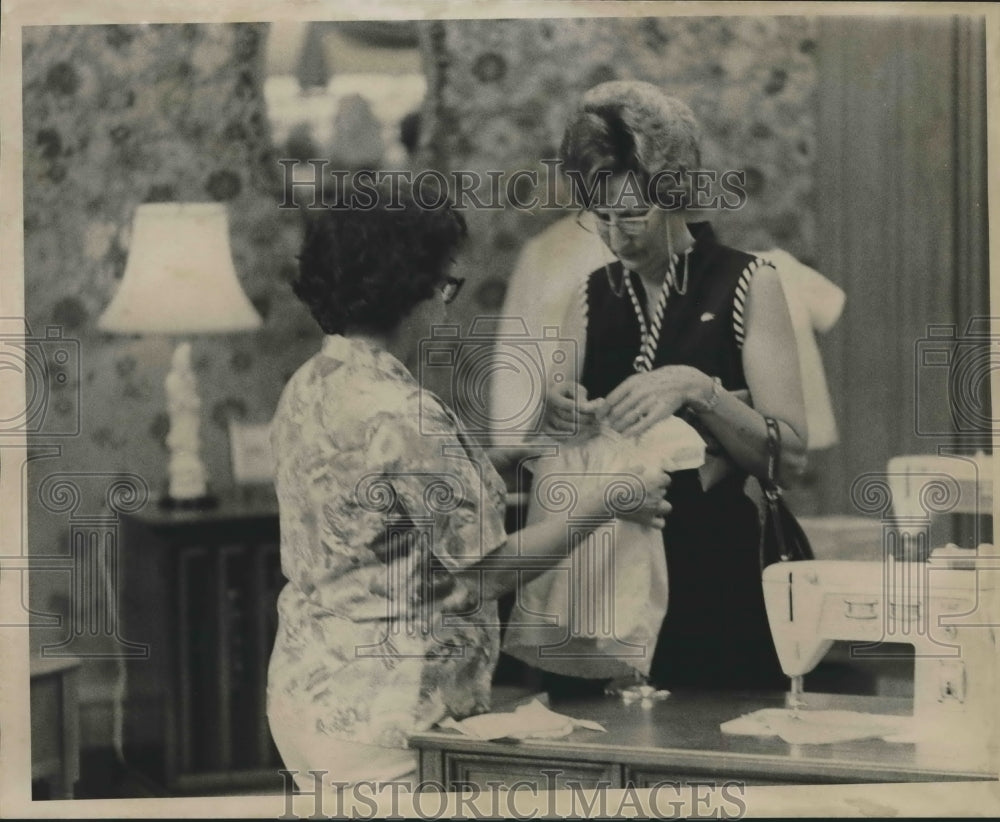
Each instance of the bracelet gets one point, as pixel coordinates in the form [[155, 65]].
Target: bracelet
[[713, 399]]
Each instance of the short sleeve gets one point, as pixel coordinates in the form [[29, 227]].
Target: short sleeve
[[428, 481], [740, 298]]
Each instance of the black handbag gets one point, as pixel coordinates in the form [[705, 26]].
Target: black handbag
[[781, 536]]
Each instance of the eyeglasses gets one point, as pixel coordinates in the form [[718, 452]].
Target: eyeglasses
[[450, 288], [600, 222]]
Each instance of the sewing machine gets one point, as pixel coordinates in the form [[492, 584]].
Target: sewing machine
[[942, 612], [947, 607]]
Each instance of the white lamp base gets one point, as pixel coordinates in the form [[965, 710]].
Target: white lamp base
[[188, 486]]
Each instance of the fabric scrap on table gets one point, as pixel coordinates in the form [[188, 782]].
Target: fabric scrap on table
[[817, 727], [530, 721]]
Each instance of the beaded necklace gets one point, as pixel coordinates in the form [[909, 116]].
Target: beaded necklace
[[650, 336]]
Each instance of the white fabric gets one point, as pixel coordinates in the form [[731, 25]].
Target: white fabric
[[598, 613], [530, 721], [816, 727]]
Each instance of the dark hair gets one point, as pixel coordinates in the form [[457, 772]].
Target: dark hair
[[366, 268], [599, 140]]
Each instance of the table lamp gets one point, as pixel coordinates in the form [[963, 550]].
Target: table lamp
[[180, 280]]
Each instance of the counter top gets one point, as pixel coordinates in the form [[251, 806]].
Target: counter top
[[682, 733]]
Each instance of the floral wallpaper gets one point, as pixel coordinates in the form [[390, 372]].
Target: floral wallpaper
[[115, 116]]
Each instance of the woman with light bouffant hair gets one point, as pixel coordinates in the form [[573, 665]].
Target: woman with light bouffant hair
[[682, 324]]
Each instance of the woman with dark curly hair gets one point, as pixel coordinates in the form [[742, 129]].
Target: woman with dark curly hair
[[391, 516]]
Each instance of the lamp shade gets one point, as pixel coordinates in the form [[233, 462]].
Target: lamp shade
[[180, 277]]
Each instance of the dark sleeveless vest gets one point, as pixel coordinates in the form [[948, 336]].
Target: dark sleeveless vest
[[715, 634]]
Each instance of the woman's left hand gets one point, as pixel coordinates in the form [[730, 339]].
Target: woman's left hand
[[648, 397]]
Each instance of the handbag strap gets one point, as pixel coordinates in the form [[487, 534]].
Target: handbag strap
[[773, 455], [772, 492]]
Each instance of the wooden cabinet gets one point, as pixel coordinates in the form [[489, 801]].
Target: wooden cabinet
[[200, 589]]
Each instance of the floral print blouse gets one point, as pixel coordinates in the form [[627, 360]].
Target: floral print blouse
[[379, 490]]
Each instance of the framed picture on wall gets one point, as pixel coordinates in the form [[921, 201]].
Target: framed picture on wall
[[250, 453]]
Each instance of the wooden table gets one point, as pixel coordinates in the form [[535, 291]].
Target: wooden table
[[678, 740], [55, 725]]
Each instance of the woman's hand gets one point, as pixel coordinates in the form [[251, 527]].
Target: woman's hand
[[645, 399], [654, 508], [568, 411]]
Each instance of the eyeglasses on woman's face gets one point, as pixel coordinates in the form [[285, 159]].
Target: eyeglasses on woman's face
[[631, 223], [450, 287]]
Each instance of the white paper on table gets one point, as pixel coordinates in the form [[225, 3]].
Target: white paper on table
[[530, 721], [817, 727]]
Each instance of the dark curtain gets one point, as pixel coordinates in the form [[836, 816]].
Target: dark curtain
[[901, 203]]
